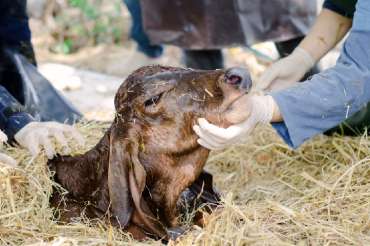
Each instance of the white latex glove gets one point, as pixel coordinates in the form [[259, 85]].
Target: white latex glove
[[258, 109], [36, 134], [5, 159], [286, 72], [3, 137]]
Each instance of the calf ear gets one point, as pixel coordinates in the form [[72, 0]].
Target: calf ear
[[118, 178], [126, 182]]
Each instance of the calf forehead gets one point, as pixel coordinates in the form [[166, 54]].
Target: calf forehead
[[146, 77], [180, 79], [154, 69], [149, 79], [133, 86]]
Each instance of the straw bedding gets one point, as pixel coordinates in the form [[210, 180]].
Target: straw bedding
[[317, 195]]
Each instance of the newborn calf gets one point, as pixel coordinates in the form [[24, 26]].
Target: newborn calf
[[149, 157]]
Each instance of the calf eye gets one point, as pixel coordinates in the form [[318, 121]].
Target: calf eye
[[153, 100]]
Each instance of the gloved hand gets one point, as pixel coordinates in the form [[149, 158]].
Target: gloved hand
[[286, 72], [36, 134], [245, 114], [5, 159]]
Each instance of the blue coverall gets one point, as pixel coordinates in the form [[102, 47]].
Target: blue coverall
[[333, 95]]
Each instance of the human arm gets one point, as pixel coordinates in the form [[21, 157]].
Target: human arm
[[21, 128], [328, 29], [334, 95], [323, 102]]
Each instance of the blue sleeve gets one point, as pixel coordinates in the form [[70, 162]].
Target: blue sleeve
[[12, 118], [333, 95]]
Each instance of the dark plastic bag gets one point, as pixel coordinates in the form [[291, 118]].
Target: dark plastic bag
[[40, 98], [212, 24]]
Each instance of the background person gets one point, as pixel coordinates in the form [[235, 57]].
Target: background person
[[203, 28]]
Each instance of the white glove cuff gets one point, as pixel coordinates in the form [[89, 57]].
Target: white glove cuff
[[265, 106], [3, 137], [305, 57]]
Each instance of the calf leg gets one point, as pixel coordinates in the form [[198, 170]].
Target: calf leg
[[68, 209]]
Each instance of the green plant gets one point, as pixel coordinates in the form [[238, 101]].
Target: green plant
[[88, 23]]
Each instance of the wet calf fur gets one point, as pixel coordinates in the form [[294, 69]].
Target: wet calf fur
[[149, 156]]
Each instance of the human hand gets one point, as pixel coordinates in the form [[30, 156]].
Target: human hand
[[5, 159], [244, 114], [286, 72], [36, 134]]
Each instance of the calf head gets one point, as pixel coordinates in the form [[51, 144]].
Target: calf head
[[150, 154]]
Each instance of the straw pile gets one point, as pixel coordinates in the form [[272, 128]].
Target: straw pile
[[317, 195]]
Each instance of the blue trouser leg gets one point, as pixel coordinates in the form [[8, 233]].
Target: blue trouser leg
[[137, 31]]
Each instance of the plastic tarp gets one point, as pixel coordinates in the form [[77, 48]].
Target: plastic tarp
[[209, 24], [41, 99]]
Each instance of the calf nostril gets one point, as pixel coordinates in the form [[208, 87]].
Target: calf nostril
[[238, 76], [234, 80]]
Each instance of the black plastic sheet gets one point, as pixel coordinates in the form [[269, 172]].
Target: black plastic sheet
[[40, 98], [209, 24]]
